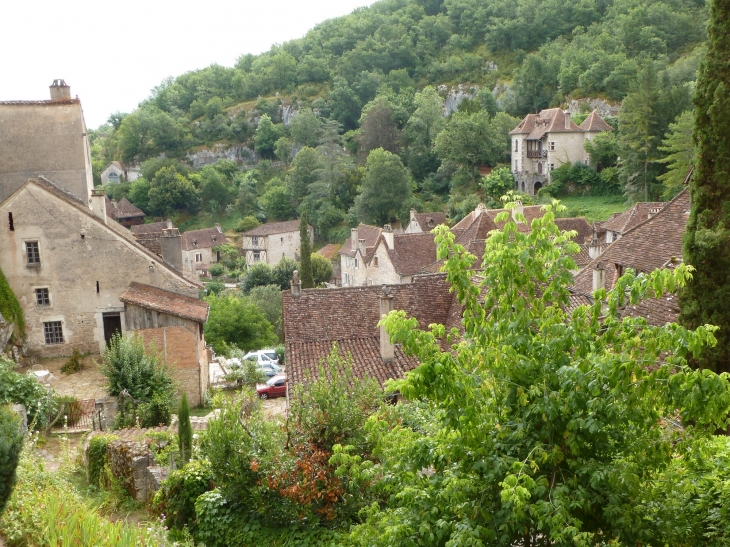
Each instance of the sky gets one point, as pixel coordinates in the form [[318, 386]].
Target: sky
[[113, 52]]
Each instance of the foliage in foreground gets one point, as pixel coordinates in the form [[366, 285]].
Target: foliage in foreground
[[11, 443], [24, 389], [550, 424]]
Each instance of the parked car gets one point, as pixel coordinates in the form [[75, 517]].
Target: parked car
[[274, 387], [264, 356]]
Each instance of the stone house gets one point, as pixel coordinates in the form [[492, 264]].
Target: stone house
[[545, 141], [117, 172], [150, 235], [424, 222], [316, 319], [197, 249], [269, 243], [356, 252], [620, 223], [124, 212], [47, 138]]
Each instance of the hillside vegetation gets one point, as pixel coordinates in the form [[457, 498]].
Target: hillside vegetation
[[377, 79]]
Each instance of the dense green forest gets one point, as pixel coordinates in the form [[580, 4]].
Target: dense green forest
[[377, 78]]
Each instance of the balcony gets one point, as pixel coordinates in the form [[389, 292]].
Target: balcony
[[537, 154]]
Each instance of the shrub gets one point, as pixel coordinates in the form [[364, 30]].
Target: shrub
[[257, 275], [10, 309], [184, 430], [157, 411], [25, 389], [11, 444], [247, 223], [248, 373], [216, 270], [214, 287], [176, 498], [322, 269], [74, 363], [97, 458]]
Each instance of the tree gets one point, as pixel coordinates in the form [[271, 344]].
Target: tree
[[705, 300], [303, 172], [284, 272], [497, 183], [345, 104], [258, 274], [305, 253], [247, 223], [681, 153], [603, 150], [236, 322], [322, 269], [543, 425], [215, 187], [267, 299], [282, 149], [184, 430], [11, 445], [385, 188], [267, 133], [305, 128], [139, 191], [171, 191], [277, 203], [378, 128]]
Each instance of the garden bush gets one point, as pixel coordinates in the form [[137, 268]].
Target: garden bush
[[25, 389], [217, 270], [178, 494], [11, 444], [73, 364], [97, 457]]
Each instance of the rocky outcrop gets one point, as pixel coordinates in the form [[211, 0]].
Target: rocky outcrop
[[454, 95], [206, 156], [6, 332], [605, 108]]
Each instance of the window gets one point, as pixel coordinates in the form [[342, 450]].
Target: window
[[347, 261], [375, 261], [356, 263], [517, 145], [10, 222], [552, 145], [198, 257], [552, 166], [42, 298], [32, 252], [282, 240], [53, 332], [255, 241], [256, 256], [217, 256], [347, 279]]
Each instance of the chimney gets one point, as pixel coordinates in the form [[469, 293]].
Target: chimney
[[599, 277], [98, 204], [171, 244], [168, 224], [59, 90], [479, 210], [361, 246], [353, 238], [594, 249], [296, 285], [218, 227], [387, 349], [388, 235], [567, 120], [519, 208]]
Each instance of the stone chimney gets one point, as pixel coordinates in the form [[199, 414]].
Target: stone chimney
[[218, 227], [599, 277], [479, 210], [387, 349], [98, 204], [361, 246], [59, 90], [388, 235], [519, 208], [567, 120], [168, 224], [296, 285], [594, 249], [171, 244], [353, 239]]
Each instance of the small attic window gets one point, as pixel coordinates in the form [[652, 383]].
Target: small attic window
[[10, 222]]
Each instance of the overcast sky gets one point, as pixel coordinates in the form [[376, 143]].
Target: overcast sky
[[112, 53]]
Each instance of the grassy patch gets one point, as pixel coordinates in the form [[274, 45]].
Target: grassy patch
[[593, 208]]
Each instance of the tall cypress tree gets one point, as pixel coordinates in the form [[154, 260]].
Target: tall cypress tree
[[184, 430], [305, 249], [706, 299]]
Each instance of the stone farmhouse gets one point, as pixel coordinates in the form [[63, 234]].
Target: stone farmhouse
[[124, 212], [198, 250], [424, 222], [269, 243], [116, 172], [545, 141], [620, 223]]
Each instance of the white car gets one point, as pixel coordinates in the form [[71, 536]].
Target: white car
[[264, 356]]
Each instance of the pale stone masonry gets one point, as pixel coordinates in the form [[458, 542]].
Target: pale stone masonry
[[269, 243]]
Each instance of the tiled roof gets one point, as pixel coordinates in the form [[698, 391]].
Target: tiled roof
[[594, 123], [638, 213], [167, 302], [122, 209], [654, 243], [428, 221], [583, 258], [657, 311], [274, 228], [53, 102], [412, 253], [350, 315], [578, 224], [203, 239], [371, 235], [151, 228], [330, 250], [526, 126]]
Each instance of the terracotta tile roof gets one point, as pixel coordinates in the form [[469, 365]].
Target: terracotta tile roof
[[412, 253], [274, 228], [526, 126], [654, 243], [330, 250], [167, 302], [657, 311], [203, 239], [583, 258], [350, 315], [578, 224], [371, 235], [638, 213], [122, 209], [151, 228], [53, 102], [594, 123], [428, 221]]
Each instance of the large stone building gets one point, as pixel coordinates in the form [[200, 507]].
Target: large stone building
[[47, 138], [269, 243], [545, 141], [198, 249]]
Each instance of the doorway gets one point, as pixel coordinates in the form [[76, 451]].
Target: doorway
[[112, 325]]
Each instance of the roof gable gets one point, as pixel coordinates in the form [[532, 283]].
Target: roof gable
[[152, 298], [595, 123], [272, 228], [203, 239]]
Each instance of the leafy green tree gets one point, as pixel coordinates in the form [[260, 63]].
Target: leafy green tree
[[498, 183], [680, 154], [234, 321], [184, 430], [603, 149], [345, 103], [421, 130], [267, 133], [248, 201], [284, 272], [543, 426], [257, 275], [214, 186], [705, 243], [139, 194], [305, 252], [277, 203], [247, 223], [322, 269], [11, 445], [305, 128], [269, 302], [303, 172], [282, 149], [378, 128], [385, 188], [170, 191]]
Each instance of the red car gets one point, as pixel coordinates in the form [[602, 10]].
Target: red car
[[274, 387]]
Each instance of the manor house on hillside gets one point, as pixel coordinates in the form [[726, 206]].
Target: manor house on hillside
[[545, 141]]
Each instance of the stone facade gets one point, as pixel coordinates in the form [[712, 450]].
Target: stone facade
[[197, 249], [269, 243], [46, 138], [84, 263]]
